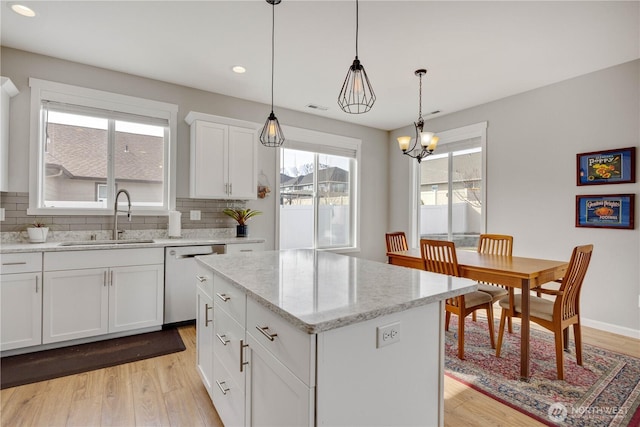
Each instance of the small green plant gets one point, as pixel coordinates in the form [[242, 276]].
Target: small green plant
[[36, 224], [241, 215]]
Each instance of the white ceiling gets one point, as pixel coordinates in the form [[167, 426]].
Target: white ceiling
[[475, 51]]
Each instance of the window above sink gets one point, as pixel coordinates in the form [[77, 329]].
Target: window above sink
[[88, 144]]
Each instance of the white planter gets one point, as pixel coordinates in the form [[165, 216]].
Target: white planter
[[38, 234]]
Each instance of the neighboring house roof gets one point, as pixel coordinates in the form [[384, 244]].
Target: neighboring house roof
[[332, 174], [82, 153]]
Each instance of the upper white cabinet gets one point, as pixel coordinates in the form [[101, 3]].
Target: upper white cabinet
[[223, 158], [8, 91]]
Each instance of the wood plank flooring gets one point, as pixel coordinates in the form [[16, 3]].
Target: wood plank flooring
[[167, 391]]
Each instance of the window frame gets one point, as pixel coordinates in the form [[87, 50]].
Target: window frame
[[43, 90], [477, 130], [314, 140]]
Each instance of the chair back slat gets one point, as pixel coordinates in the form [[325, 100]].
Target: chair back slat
[[572, 281], [396, 241], [439, 256], [495, 244]]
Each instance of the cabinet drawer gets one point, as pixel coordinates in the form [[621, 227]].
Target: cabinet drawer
[[204, 280], [230, 299], [292, 347], [237, 248], [75, 260], [227, 396], [226, 343], [21, 263]]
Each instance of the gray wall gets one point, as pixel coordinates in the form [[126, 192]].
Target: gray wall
[[19, 66], [532, 142]]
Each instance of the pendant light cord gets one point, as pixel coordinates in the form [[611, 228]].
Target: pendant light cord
[[357, 13], [273, 25]]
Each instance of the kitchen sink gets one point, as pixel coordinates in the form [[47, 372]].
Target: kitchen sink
[[106, 242]]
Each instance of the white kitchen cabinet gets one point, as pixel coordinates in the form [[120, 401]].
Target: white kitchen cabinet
[[8, 91], [92, 293], [223, 158], [21, 300], [275, 396], [237, 248], [204, 327]]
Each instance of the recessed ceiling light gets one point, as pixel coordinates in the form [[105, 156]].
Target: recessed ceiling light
[[23, 10], [239, 69]]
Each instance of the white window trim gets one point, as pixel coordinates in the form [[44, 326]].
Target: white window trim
[[60, 92], [477, 130], [330, 140]]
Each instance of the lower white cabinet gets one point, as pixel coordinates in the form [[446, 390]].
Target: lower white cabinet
[[99, 292], [204, 328], [20, 300], [20, 310], [275, 396]]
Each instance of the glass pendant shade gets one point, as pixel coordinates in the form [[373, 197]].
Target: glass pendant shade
[[357, 95], [271, 135]]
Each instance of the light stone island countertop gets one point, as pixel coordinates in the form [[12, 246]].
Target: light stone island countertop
[[317, 291], [53, 246]]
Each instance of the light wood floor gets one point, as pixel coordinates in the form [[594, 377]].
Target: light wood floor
[[166, 391]]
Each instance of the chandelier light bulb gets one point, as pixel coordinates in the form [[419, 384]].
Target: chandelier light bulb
[[403, 142]]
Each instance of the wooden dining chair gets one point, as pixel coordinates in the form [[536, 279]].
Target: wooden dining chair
[[396, 241], [495, 244], [439, 256], [556, 315]]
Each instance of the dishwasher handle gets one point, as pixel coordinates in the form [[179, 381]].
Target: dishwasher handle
[[193, 255]]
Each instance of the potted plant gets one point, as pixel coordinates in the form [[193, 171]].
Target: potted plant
[[241, 216], [37, 231]]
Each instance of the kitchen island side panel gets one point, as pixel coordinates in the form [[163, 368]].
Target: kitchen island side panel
[[362, 383]]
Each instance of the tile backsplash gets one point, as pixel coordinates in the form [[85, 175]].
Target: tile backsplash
[[16, 204]]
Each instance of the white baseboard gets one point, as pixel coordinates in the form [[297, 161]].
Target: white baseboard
[[608, 327]]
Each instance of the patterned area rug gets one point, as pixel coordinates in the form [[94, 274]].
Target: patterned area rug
[[605, 391]]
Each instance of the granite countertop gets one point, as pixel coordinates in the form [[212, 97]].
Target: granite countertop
[[54, 246], [317, 291]]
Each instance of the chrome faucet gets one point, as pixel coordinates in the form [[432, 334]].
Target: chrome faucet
[[115, 212]]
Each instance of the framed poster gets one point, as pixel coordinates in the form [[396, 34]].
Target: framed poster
[[605, 211], [607, 167]]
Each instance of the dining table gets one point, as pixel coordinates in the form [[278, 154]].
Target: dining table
[[510, 271]]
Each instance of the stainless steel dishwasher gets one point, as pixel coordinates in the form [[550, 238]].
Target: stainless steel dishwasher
[[180, 281]]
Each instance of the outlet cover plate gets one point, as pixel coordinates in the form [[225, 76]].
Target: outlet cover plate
[[387, 334], [194, 215]]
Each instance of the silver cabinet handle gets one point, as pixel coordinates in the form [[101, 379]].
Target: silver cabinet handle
[[201, 278], [111, 278], [246, 250], [223, 388], [104, 280], [36, 284], [15, 263], [242, 362], [223, 297], [231, 188], [263, 330], [223, 339], [206, 315]]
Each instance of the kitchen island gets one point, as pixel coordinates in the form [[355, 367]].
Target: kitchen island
[[304, 337]]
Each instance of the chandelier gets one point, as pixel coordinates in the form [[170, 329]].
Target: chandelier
[[428, 140]]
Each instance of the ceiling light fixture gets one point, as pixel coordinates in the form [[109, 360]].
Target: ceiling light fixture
[[23, 10], [357, 95], [271, 135], [239, 69], [428, 141]]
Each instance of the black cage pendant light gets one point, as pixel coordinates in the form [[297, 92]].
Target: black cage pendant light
[[271, 135], [356, 96]]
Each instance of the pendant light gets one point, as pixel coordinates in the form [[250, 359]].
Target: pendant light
[[356, 96], [428, 141], [271, 135]]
